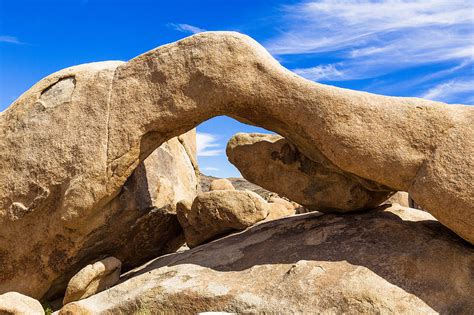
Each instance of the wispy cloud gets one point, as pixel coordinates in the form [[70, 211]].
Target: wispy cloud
[[322, 72], [373, 38], [450, 91], [207, 145], [186, 28], [210, 168], [10, 39]]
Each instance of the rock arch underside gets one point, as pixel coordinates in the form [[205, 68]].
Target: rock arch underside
[[72, 141]]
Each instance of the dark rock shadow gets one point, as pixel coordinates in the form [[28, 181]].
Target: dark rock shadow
[[421, 257]]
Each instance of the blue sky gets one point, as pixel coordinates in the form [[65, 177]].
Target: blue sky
[[401, 48]]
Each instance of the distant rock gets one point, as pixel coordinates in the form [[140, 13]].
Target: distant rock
[[290, 206], [374, 262], [13, 303], [400, 197], [93, 279], [277, 210], [237, 183], [218, 212], [221, 184]]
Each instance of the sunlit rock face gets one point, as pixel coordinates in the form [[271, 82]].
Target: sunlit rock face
[[379, 261], [276, 164], [71, 142]]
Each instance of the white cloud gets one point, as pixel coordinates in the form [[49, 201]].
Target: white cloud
[[323, 72], [372, 38], [210, 168], [186, 28], [450, 91], [205, 143], [9, 39]]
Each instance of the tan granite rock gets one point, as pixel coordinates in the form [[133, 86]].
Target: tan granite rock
[[69, 144], [277, 210], [376, 262], [219, 212], [93, 279], [221, 184], [275, 164], [13, 303], [290, 206], [400, 197]]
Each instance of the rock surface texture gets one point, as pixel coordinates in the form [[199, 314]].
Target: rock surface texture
[[69, 144], [221, 184], [275, 164], [402, 198], [369, 263], [218, 212], [277, 210], [13, 303], [93, 279], [137, 225]]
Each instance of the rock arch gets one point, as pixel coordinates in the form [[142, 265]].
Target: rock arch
[[66, 161]]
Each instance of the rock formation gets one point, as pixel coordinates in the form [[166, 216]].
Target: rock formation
[[13, 303], [400, 197], [374, 262], [139, 224], [275, 164], [221, 184], [93, 279], [277, 210], [69, 144], [218, 212]]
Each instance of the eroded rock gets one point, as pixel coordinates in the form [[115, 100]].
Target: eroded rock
[[61, 165], [93, 279], [221, 184], [14, 303], [379, 261], [274, 163], [219, 212], [277, 210], [400, 197]]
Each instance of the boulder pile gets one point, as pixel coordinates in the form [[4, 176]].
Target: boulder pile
[[310, 263], [224, 209], [99, 161]]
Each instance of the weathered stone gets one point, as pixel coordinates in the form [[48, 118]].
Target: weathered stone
[[61, 164], [374, 262], [274, 163], [145, 211], [140, 224], [400, 197], [221, 184], [290, 206], [93, 279], [218, 212], [277, 210], [13, 303]]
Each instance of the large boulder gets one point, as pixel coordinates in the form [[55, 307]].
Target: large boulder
[[218, 212], [14, 303], [140, 223], [92, 279], [221, 184], [277, 210], [69, 144], [400, 197], [275, 164], [375, 262]]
